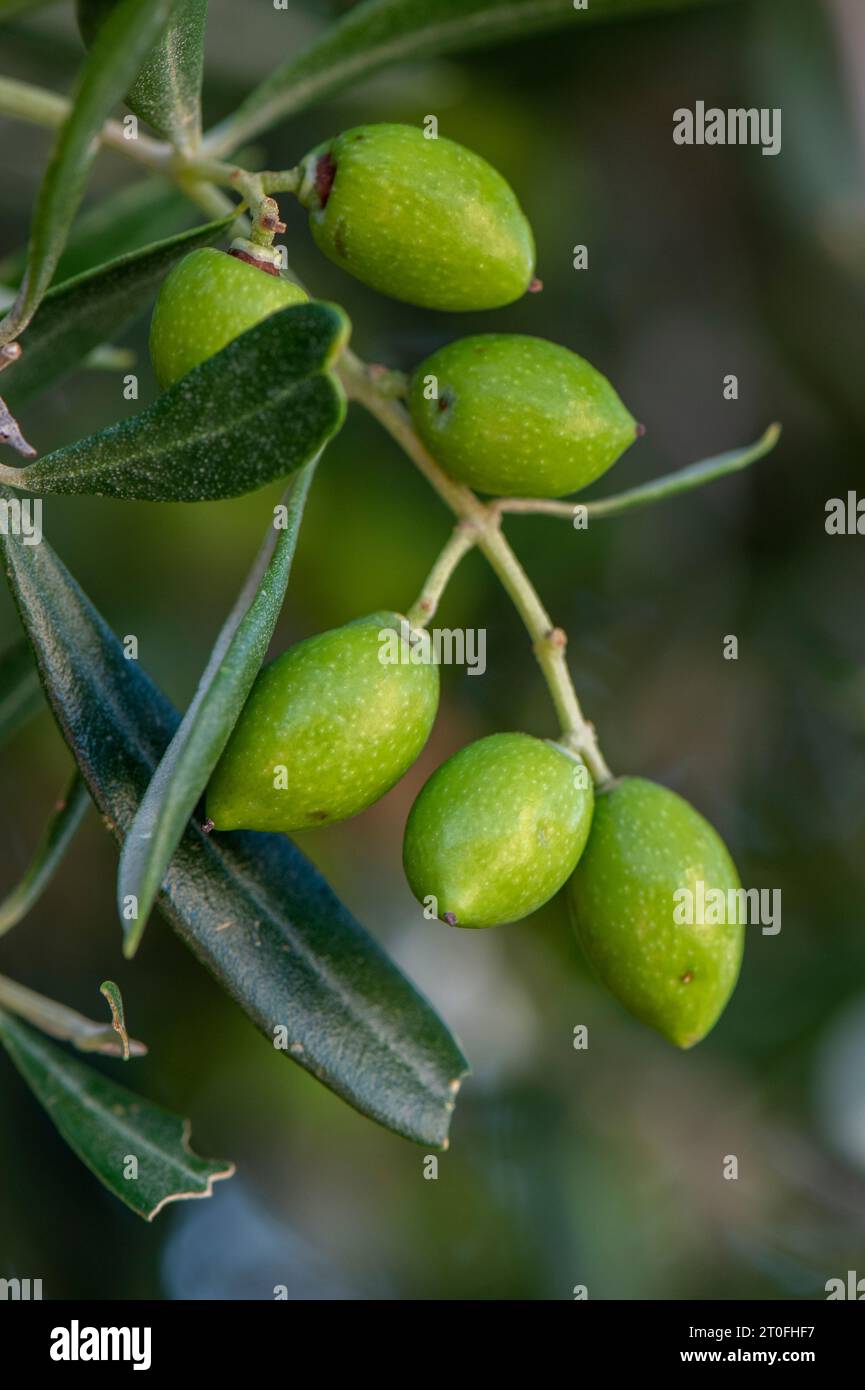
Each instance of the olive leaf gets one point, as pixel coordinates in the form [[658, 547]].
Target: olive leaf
[[167, 91], [56, 839], [59, 1021], [139, 1151], [685, 479], [380, 33], [20, 691], [250, 906], [117, 54], [195, 749], [258, 410], [657, 489], [140, 213], [79, 314]]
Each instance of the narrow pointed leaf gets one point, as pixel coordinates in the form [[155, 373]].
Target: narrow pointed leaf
[[261, 408], [167, 91], [195, 749], [380, 33], [59, 834], [68, 1025], [686, 479], [79, 314], [139, 213], [20, 691], [116, 56], [250, 905], [107, 1125]]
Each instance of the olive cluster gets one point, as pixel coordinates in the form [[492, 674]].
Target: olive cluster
[[329, 726]]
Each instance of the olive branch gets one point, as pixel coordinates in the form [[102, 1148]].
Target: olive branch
[[379, 391]]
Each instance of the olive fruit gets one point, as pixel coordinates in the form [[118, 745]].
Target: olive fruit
[[327, 729], [205, 301], [514, 415], [497, 829], [423, 220], [648, 850]]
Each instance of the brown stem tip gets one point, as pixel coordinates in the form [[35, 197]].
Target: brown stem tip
[[450, 918], [536, 286], [269, 266], [207, 826], [10, 433]]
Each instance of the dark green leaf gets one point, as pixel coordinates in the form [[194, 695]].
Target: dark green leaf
[[20, 691], [107, 1125], [58, 836], [59, 1021], [78, 314], [256, 411], [250, 905], [380, 33], [196, 748], [167, 91], [116, 56], [145, 211]]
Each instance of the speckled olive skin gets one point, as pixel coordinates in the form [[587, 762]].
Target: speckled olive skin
[[519, 416], [344, 725], [646, 843], [497, 830], [206, 300], [425, 221]]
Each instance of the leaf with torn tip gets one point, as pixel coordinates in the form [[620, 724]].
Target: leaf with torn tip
[[251, 906], [138, 1150]]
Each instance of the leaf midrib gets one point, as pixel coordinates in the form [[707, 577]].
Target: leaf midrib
[[147, 454]]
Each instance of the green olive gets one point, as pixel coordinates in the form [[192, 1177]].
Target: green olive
[[518, 416], [423, 220], [328, 728], [497, 830], [647, 851], [206, 300]]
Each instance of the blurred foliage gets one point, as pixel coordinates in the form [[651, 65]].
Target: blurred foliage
[[601, 1167]]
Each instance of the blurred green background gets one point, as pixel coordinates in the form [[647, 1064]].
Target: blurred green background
[[603, 1167]]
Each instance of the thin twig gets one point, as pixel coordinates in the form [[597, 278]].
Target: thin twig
[[463, 538], [548, 641], [26, 102]]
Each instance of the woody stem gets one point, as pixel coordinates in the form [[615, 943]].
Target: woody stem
[[482, 526]]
